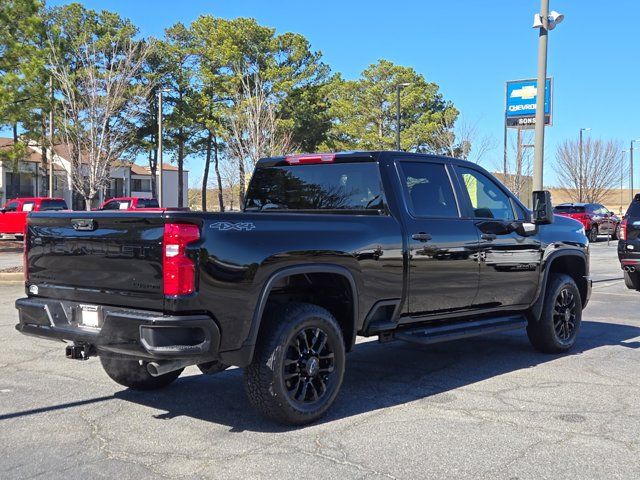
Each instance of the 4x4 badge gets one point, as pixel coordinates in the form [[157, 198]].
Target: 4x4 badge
[[240, 226]]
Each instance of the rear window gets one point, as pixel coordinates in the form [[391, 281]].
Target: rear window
[[569, 209], [148, 203], [49, 205], [634, 209], [339, 186]]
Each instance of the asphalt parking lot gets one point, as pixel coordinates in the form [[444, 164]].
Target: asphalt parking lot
[[479, 408]]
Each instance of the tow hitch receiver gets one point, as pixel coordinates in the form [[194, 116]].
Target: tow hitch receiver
[[77, 352]]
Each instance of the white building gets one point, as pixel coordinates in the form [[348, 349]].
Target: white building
[[31, 179]]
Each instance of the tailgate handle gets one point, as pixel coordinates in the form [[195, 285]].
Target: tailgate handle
[[83, 224]]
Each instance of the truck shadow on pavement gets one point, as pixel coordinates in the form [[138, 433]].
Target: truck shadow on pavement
[[377, 376]]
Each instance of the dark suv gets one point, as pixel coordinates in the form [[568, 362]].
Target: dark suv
[[596, 218], [629, 245]]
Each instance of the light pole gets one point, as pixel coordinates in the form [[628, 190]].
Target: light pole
[[160, 189], [631, 166], [580, 179], [544, 21], [398, 88]]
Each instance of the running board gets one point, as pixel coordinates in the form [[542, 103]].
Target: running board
[[456, 331]]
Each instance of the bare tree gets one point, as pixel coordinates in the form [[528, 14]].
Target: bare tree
[[254, 127], [601, 162], [518, 177], [462, 139], [99, 98]]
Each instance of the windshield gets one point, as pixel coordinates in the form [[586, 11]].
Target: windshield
[[338, 186], [568, 209]]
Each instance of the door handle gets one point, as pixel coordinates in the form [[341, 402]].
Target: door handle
[[421, 237], [488, 236]]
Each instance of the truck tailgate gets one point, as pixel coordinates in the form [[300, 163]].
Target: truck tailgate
[[99, 251]]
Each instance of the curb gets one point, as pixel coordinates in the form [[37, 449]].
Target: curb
[[13, 277]]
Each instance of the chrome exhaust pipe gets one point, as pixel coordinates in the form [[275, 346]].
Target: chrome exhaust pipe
[[629, 268], [157, 369]]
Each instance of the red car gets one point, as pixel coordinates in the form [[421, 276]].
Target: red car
[[13, 216], [596, 218], [130, 203]]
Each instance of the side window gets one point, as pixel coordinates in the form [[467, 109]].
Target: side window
[[487, 199], [113, 205], [12, 207], [428, 190], [27, 206]]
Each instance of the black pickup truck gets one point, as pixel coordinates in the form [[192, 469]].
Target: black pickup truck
[[397, 245]]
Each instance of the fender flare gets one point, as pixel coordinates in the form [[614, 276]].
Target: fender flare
[[536, 307], [258, 312]]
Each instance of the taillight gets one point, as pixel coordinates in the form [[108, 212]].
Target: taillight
[[179, 271], [309, 159], [623, 229], [25, 255]]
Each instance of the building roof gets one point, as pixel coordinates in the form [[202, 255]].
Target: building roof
[[63, 151], [145, 170], [32, 155]]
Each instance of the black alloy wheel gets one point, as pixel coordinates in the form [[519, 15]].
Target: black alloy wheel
[[309, 366], [564, 315]]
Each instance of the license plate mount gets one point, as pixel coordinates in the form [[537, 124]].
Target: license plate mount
[[89, 316]]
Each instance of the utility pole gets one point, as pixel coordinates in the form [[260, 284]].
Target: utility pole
[[52, 153], [631, 168], [538, 159], [160, 190], [398, 88]]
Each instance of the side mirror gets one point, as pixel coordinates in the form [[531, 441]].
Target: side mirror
[[542, 208], [3, 210]]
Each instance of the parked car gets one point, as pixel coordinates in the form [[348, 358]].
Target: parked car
[[129, 203], [596, 218], [13, 215], [629, 245], [398, 245]]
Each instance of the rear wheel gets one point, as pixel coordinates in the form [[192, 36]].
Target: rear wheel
[[298, 365], [558, 326], [632, 280], [134, 373], [593, 234]]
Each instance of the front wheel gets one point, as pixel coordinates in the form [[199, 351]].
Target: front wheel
[[558, 326], [616, 233], [593, 234], [134, 373], [298, 364]]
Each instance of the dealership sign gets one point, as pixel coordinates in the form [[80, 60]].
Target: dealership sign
[[522, 96]]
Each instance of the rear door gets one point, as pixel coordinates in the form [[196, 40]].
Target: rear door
[[509, 257], [14, 217], [443, 271]]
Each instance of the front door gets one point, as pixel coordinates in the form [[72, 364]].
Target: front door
[[443, 272], [509, 256]]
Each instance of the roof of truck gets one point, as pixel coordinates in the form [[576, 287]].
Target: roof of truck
[[347, 156]]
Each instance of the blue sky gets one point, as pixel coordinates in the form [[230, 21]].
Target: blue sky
[[469, 47]]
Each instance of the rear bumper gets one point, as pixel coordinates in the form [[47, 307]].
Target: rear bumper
[[137, 333]]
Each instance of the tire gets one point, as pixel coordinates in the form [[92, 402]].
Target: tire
[[616, 233], [593, 234], [283, 363], [556, 330], [632, 280], [134, 374]]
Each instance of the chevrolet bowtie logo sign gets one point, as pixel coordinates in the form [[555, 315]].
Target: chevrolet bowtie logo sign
[[525, 93], [522, 96]]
